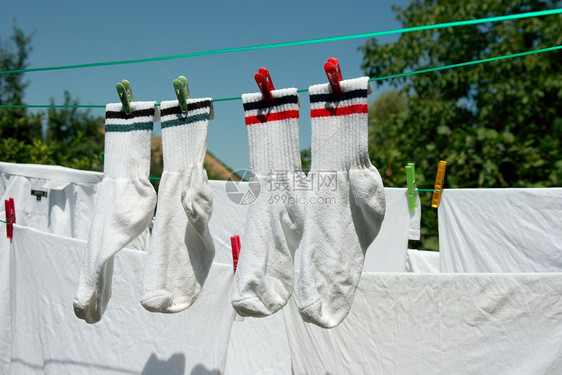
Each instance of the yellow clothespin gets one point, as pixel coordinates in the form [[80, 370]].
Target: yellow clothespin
[[438, 183]]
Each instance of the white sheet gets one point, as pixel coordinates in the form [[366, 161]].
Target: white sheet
[[257, 346], [501, 230], [228, 218], [67, 209], [68, 212], [386, 254], [423, 261], [49, 339], [388, 251], [260, 346], [438, 324]]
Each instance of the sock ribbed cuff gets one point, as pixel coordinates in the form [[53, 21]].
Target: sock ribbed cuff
[[273, 134], [340, 125], [184, 135], [128, 140]]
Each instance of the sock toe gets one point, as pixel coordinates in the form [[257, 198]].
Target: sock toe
[[315, 314], [157, 301], [255, 307]]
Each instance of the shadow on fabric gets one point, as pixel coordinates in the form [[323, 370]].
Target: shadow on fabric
[[202, 370], [175, 365]]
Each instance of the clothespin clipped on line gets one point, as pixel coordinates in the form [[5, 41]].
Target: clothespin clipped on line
[[182, 92], [263, 79], [125, 95], [10, 217], [411, 183], [333, 72], [439, 183], [235, 243]]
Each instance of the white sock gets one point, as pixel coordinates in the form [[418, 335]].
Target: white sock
[[347, 203], [181, 250], [263, 281], [124, 206]]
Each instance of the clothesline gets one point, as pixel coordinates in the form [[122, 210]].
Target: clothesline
[[422, 190], [421, 71], [300, 42]]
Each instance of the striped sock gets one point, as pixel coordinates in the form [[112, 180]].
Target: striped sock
[[124, 206], [181, 251], [348, 207], [264, 277]]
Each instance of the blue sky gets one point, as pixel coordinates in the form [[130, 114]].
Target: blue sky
[[72, 32]]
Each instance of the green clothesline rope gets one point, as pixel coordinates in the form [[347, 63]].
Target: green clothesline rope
[[422, 190], [452, 66], [300, 42], [549, 49]]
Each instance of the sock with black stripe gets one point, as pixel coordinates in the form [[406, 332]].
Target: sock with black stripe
[[181, 250], [124, 206], [349, 203], [264, 277]]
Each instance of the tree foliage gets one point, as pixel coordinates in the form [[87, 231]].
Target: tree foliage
[[73, 138], [497, 124], [76, 135], [14, 122]]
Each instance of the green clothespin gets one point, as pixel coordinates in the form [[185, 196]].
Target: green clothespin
[[182, 92], [125, 95], [411, 183]]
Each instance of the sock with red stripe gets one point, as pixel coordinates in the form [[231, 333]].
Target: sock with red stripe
[[181, 250], [264, 277], [347, 203]]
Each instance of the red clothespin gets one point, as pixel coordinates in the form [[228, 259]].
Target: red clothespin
[[333, 72], [235, 243], [263, 79], [10, 217]]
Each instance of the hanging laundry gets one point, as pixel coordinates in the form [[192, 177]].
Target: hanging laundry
[[48, 339], [349, 203], [422, 261], [406, 324], [124, 206], [500, 230], [65, 209], [388, 252], [181, 250], [264, 276]]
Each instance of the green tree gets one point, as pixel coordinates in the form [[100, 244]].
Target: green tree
[[386, 137], [73, 136], [76, 135], [15, 122], [497, 124]]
